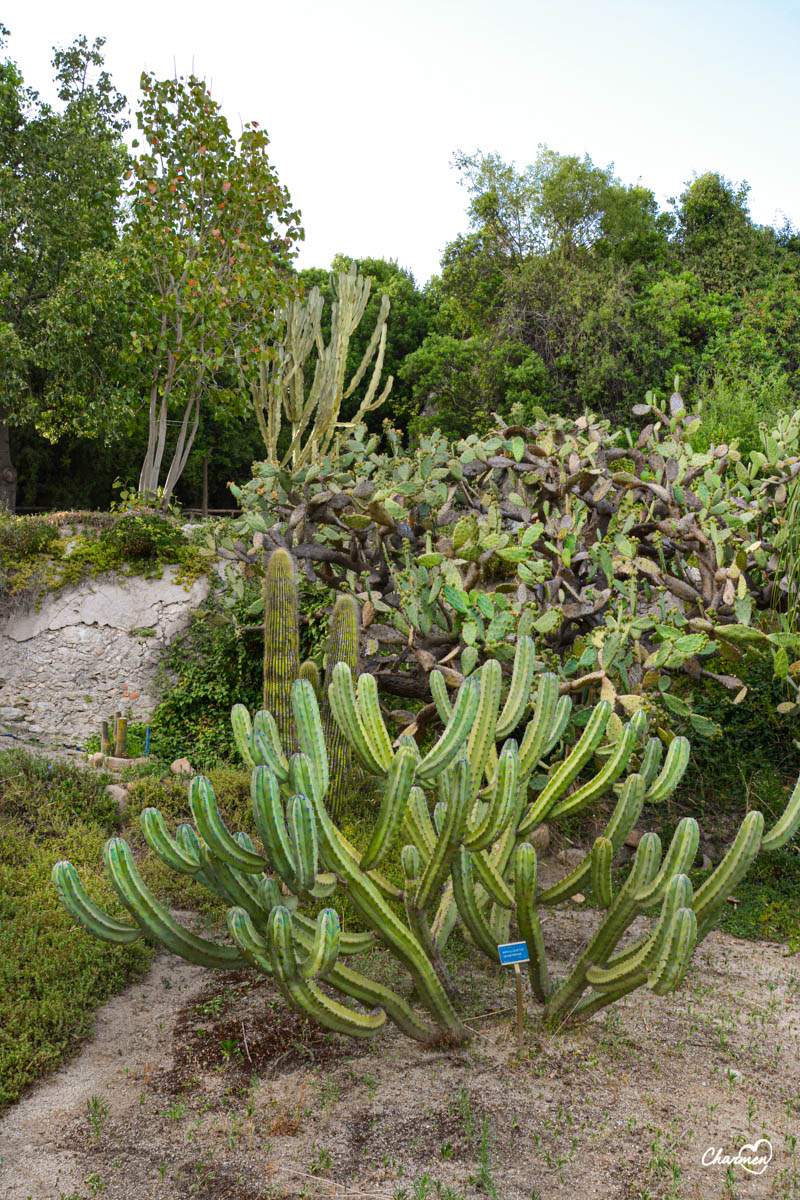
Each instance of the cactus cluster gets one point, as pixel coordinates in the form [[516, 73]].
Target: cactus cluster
[[495, 775]]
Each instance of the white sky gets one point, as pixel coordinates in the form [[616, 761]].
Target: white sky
[[365, 102]]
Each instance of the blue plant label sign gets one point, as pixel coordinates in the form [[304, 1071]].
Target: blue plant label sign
[[513, 952]]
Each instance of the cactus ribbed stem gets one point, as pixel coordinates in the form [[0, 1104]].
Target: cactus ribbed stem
[[342, 647], [281, 641]]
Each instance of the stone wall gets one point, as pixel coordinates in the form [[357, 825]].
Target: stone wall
[[85, 653]]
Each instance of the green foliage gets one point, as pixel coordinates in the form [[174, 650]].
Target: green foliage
[[51, 980], [21, 537], [210, 668], [211, 236], [639, 560], [34, 562]]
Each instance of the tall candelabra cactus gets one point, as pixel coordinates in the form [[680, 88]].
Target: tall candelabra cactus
[[467, 862]]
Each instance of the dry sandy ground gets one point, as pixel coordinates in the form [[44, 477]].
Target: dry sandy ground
[[204, 1086]]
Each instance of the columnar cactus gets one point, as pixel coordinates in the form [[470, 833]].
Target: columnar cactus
[[468, 862], [281, 640], [342, 647]]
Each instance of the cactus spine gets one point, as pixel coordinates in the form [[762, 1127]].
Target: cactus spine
[[281, 640], [466, 862]]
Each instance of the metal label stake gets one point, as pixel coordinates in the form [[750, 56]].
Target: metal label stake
[[512, 954]]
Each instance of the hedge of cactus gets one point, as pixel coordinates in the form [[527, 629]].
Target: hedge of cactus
[[463, 813]]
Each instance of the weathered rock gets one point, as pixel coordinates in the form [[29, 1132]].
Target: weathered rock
[[572, 857], [119, 795], [181, 766], [12, 715], [540, 838], [633, 838]]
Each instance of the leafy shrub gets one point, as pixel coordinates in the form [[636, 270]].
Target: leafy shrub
[[213, 667], [22, 536], [136, 536]]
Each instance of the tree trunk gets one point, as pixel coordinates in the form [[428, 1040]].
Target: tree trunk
[[8, 475]]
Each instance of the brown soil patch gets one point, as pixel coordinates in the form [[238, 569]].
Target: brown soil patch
[[622, 1108]]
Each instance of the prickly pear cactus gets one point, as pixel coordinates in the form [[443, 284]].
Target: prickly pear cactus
[[463, 812]]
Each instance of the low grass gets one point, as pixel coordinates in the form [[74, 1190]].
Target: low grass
[[52, 976]]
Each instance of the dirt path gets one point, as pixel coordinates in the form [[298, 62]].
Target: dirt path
[[209, 1088], [132, 1034]]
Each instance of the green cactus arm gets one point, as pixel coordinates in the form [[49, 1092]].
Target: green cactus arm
[[677, 861], [446, 917], [368, 992], [638, 960], [302, 830], [419, 821], [342, 647], [411, 863], [466, 901], [676, 954], [505, 789], [79, 904], [623, 819], [500, 924], [595, 1001], [187, 839], [711, 895], [519, 692], [539, 726], [481, 736], [675, 764], [440, 697], [243, 733], [560, 721], [396, 791], [525, 872], [418, 923], [268, 815], [164, 846], [281, 640], [231, 886], [310, 671], [651, 759], [449, 745], [349, 943], [370, 712], [602, 890], [369, 901], [267, 745], [606, 777], [154, 919], [310, 736], [564, 774], [342, 701], [563, 1003], [438, 866], [324, 949], [304, 995], [250, 943], [785, 828], [492, 880], [211, 828]]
